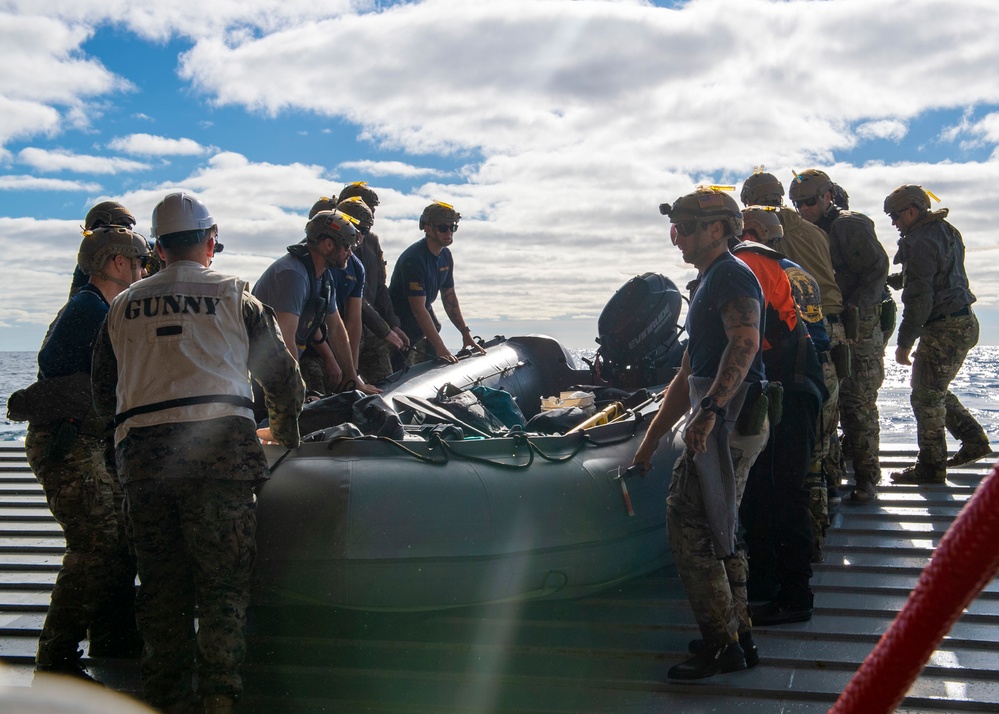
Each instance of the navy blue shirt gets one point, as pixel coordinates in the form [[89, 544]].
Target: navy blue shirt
[[349, 283], [419, 273], [725, 280], [69, 343]]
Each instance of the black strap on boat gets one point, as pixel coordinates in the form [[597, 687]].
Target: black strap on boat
[[518, 439], [233, 399]]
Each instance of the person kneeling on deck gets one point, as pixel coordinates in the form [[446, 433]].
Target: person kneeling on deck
[[65, 446], [937, 311], [172, 364], [721, 372], [424, 270]]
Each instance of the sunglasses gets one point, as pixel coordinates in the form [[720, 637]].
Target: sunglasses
[[809, 202], [144, 261], [446, 227], [687, 228]]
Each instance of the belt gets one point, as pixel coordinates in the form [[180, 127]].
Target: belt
[[963, 312]]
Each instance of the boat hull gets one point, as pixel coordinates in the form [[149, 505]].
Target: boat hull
[[378, 525]]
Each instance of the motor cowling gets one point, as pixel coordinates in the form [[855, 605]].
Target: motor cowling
[[638, 333]]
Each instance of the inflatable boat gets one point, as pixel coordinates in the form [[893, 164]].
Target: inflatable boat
[[427, 521]]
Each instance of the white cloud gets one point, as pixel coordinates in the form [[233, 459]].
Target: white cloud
[[570, 121], [890, 129], [33, 183], [58, 160], [389, 168], [149, 145]]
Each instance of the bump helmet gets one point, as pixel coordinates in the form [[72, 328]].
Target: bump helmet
[[907, 195], [809, 183], [762, 189], [840, 197], [323, 204], [355, 207], [334, 225], [439, 212], [705, 204], [764, 221], [179, 212], [107, 241], [359, 188], [108, 213]]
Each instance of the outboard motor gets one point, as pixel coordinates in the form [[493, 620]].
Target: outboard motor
[[638, 333]]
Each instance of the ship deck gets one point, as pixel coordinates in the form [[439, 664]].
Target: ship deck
[[604, 653]]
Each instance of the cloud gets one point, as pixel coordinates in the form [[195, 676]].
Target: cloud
[[58, 160], [43, 79], [389, 168], [890, 129], [33, 183], [149, 145]]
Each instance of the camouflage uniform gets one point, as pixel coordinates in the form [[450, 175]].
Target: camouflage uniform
[[189, 497], [96, 583], [716, 588], [936, 298], [861, 266]]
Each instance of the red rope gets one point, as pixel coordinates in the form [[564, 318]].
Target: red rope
[[966, 560]]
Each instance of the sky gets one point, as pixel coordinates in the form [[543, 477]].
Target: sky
[[555, 127]]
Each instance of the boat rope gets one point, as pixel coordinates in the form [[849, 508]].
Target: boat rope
[[963, 564], [518, 439]]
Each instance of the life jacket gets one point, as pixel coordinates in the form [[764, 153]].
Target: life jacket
[[182, 348], [303, 337]]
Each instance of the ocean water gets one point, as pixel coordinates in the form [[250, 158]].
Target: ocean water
[[975, 386]]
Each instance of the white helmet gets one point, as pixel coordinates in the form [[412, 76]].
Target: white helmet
[[180, 212]]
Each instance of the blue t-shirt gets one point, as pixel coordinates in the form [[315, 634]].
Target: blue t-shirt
[[419, 273], [69, 342], [725, 279], [348, 283], [288, 286]]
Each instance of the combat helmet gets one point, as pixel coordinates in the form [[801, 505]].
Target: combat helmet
[[764, 221], [337, 226], [108, 213], [355, 207], [706, 204], [359, 188], [439, 212], [905, 196], [323, 204], [108, 241], [762, 189], [809, 184]]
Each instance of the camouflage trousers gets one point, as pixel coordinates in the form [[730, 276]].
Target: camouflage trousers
[[314, 373], [825, 470], [858, 403], [716, 588], [943, 346], [95, 587], [375, 358], [195, 543]]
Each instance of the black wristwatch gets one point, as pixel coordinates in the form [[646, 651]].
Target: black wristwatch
[[710, 405]]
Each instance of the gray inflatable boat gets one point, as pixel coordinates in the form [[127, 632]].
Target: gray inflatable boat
[[416, 524]]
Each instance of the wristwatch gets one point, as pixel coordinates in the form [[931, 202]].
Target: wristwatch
[[710, 405]]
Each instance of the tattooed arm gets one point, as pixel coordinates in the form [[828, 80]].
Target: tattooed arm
[[741, 319]]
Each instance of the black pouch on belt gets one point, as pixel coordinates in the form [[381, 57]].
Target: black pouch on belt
[[754, 410], [842, 357], [851, 321]]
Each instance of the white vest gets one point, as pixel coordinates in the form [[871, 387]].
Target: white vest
[[181, 347]]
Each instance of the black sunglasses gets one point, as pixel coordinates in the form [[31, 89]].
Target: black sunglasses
[[687, 228], [809, 202], [446, 227]]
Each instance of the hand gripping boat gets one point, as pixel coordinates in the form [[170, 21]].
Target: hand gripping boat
[[415, 524]]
